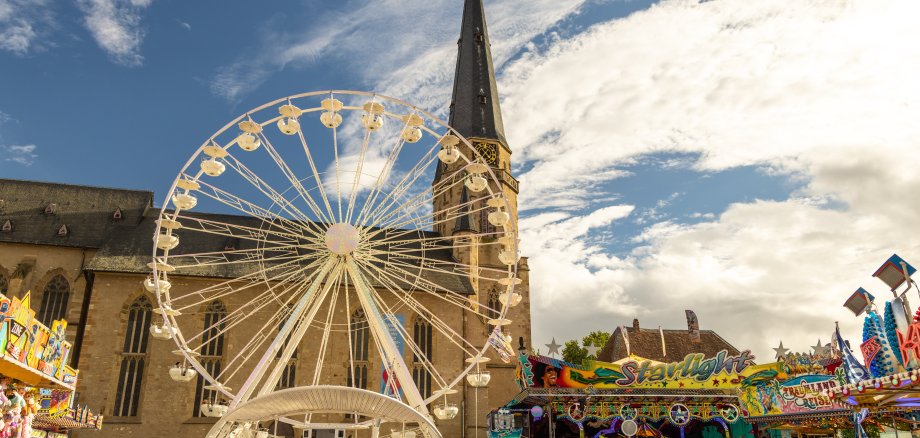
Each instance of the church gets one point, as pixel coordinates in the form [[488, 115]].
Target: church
[[83, 253]]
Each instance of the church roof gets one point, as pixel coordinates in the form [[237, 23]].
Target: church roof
[[37, 211], [646, 343], [474, 108]]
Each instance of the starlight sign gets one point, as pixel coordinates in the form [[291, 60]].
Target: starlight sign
[[694, 371]]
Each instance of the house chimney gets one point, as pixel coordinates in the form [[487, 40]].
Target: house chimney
[[636, 324], [693, 326]]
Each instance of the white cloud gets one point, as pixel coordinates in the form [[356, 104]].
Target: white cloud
[[116, 27], [820, 91], [22, 154], [22, 24]]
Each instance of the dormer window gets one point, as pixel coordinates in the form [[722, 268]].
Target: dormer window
[[63, 231], [7, 226], [51, 208], [482, 96], [479, 37], [117, 215]]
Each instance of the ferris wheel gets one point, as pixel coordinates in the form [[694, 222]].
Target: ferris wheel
[[306, 238]]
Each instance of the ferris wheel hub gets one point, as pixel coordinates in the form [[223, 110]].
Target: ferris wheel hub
[[342, 238]]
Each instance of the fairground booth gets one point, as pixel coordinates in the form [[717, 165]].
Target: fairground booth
[[36, 384], [691, 383]]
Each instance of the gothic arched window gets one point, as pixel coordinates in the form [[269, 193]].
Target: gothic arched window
[[212, 352], [359, 333], [133, 358], [55, 298], [494, 306], [4, 283], [421, 336]]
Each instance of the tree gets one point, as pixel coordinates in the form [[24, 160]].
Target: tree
[[575, 353]]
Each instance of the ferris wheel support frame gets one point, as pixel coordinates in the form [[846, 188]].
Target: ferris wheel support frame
[[392, 356]]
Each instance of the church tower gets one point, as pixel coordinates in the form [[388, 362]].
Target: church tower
[[476, 114]]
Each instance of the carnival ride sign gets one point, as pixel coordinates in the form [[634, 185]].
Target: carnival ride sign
[[695, 371], [801, 394]]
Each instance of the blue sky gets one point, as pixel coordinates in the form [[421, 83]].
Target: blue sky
[[682, 154]]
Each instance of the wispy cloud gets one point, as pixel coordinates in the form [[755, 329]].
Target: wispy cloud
[[184, 24], [116, 27], [23, 23], [403, 55], [21, 154]]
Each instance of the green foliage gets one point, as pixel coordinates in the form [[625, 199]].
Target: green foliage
[[573, 352]]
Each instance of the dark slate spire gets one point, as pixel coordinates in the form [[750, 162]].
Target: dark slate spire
[[474, 109], [464, 222]]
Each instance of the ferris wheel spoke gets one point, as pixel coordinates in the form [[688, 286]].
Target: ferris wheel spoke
[[412, 207], [253, 346], [292, 332], [395, 195], [319, 183], [289, 274], [237, 284], [237, 203], [397, 205], [237, 231], [390, 283], [240, 257], [295, 181], [251, 308], [420, 283], [401, 187], [276, 197], [256, 339], [447, 215], [356, 183], [442, 266], [389, 352], [327, 327], [404, 334], [383, 176]]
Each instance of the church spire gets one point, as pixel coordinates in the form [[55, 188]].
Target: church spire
[[474, 108]]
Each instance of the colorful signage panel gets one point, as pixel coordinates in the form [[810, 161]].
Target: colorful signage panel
[[693, 372], [798, 395], [25, 340]]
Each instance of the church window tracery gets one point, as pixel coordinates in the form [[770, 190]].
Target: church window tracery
[[133, 358]]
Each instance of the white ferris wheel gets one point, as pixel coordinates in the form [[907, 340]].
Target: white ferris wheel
[[304, 231]]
